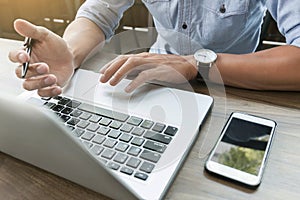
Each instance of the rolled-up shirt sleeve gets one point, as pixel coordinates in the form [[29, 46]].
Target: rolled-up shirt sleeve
[[105, 13], [287, 15]]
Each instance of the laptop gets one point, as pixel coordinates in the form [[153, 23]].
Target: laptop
[[124, 146]]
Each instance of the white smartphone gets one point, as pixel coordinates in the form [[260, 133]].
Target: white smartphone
[[242, 149]]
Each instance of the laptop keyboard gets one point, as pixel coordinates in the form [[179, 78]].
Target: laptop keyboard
[[128, 144]]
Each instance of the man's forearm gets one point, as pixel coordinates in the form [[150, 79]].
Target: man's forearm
[[273, 69], [82, 36]]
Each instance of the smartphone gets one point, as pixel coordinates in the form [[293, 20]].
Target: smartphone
[[242, 149]]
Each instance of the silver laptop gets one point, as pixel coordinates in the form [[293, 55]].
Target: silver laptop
[[125, 146]]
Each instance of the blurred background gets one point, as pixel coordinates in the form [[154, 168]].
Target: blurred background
[[57, 14]]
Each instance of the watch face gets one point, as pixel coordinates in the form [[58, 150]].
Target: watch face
[[205, 56]]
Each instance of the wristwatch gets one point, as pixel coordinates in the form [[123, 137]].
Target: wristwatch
[[205, 58]]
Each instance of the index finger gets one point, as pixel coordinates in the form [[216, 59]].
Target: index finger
[[19, 56]]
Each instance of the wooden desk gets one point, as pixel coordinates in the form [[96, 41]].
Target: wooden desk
[[281, 180]]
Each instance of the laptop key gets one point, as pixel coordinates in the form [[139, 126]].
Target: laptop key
[[126, 170], [122, 147], [126, 128], [65, 118], [105, 121], [150, 156], [46, 98], [73, 121], [155, 146], [147, 124], [95, 118], [138, 131], [133, 162], [114, 134], [170, 130], [134, 121], [58, 108], [158, 127], [97, 149], [78, 132], [103, 112], [113, 165], [141, 176], [85, 116], [67, 110], [125, 137], [92, 127], [147, 167], [87, 144], [99, 139], [158, 137], [83, 124], [110, 143], [88, 135], [71, 127], [64, 101], [108, 154], [57, 97], [49, 104], [76, 113], [103, 130], [134, 151], [73, 104], [115, 125], [138, 141], [121, 158]]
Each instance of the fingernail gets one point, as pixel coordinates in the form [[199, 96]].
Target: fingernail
[[102, 78], [22, 58], [40, 70], [48, 81], [56, 91], [128, 89], [113, 81]]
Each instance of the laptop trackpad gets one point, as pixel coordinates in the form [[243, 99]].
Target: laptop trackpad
[[150, 101]]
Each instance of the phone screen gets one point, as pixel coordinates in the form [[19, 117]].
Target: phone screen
[[243, 146]]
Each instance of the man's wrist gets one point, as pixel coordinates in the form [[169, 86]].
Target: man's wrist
[[194, 69]]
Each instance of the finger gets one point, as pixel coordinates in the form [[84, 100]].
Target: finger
[[102, 70], [50, 91], [39, 82], [28, 29], [143, 77], [130, 67], [112, 68], [19, 56], [132, 64], [35, 69], [107, 65]]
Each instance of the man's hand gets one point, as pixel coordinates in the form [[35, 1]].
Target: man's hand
[[149, 67], [51, 62]]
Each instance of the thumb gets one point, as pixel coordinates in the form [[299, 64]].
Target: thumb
[[27, 29]]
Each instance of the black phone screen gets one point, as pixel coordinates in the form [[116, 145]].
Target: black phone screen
[[243, 146]]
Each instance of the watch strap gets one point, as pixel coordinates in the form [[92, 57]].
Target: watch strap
[[203, 71]]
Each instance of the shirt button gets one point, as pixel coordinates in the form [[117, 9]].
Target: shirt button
[[223, 9], [184, 26]]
